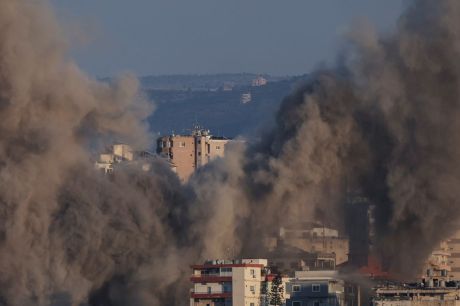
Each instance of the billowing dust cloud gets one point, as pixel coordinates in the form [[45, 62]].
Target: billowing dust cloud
[[384, 122], [65, 232]]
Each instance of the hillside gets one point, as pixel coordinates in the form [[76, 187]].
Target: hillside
[[220, 111]]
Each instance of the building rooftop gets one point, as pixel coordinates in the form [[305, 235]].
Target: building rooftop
[[231, 263], [317, 275]]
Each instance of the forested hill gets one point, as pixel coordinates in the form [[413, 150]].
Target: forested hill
[[221, 111]]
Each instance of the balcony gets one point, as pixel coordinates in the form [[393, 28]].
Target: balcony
[[211, 278], [210, 294]]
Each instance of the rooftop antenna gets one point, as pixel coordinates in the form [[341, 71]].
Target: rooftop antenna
[[196, 126]]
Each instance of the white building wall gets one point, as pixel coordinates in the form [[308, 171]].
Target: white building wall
[[238, 285], [246, 286], [124, 151]]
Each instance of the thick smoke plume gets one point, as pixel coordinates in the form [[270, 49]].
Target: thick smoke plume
[[67, 235], [384, 122]]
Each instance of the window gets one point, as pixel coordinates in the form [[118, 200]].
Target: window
[[225, 269], [209, 290], [315, 288], [253, 273], [182, 144], [217, 147], [253, 289], [296, 303], [295, 288], [251, 304]]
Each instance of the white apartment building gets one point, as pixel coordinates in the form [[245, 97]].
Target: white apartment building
[[122, 153], [228, 282]]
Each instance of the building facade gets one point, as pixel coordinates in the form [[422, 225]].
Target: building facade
[[360, 224], [315, 288], [228, 282], [417, 296], [437, 268], [189, 152], [454, 258]]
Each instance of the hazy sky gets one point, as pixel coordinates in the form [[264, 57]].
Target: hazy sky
[[208, 36]]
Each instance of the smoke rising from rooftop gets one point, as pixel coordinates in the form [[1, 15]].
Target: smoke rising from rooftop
[[383, 122]]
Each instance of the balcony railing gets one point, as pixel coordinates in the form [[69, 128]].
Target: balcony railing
[[204, 294], [210, 278], [214, 274]]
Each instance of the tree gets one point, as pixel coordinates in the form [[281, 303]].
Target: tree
[[277, 291], [264, 294]]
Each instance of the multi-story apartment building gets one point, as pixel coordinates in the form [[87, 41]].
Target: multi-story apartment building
[[228, 282], [437, 267], [315, 288], [359, 219], [189, 152], [405, 295], [180, 151], [454, 258]]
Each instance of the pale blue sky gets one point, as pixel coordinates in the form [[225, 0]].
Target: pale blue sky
[[210, 36]]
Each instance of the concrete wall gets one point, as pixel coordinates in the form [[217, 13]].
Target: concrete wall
[[124, 151], [203, 288], [245, 279], [217, 148], [190, 152], [454, 259], [183, 155]]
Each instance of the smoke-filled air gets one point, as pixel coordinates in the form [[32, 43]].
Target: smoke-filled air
[[383, 122]]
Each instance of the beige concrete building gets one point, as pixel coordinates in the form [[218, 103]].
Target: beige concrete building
[[437, 268], [418, 296], [228, 283], [116, 154], [189, 152], [180, 150], [122, 153], [454, 259]]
